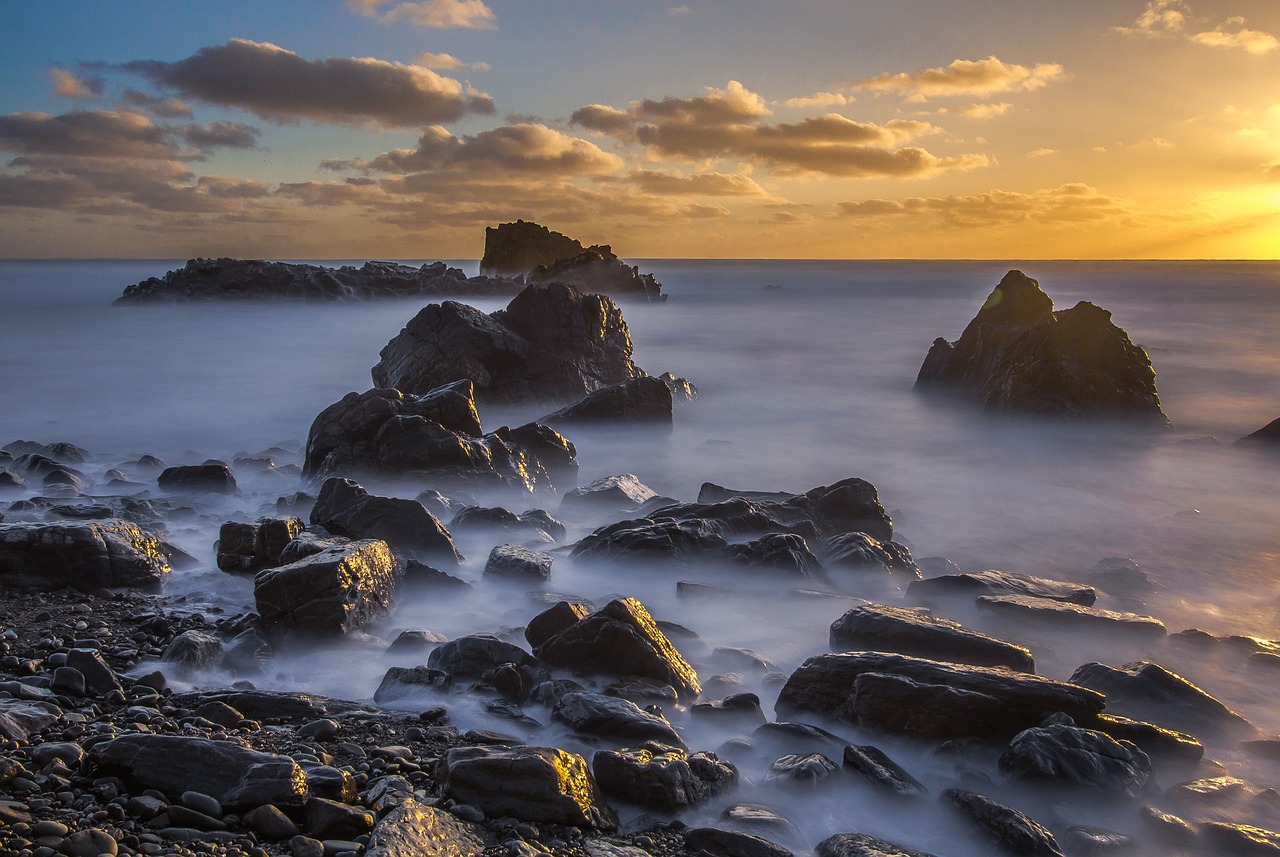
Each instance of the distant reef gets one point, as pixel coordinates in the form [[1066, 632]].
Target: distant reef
[[515, 254]]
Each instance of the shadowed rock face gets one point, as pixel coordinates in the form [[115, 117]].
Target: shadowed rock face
[[83, 556], [525, 249], [1017, 354]]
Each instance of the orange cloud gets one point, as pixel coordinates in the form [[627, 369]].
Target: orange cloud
[[465, 14], [1070, 203], [965, 77], [1232, 33], [700, 184], [67, 85]]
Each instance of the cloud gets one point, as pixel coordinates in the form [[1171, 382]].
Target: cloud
[[1165, 18], [94, 133], [166, 108], [698, 210], [1232, 33], [820, 99], [465, 14], [603, 118], [1041, 153], [448, 62], [1272, 170], [966, 77], [280, 86], [1069, 203], [229, 135], [510, 149], [700, 184], [985, 111], [678, 10], [733, 103], [67, 85], [1159, 18]]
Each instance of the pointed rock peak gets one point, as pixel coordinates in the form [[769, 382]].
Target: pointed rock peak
[[1017, 299]]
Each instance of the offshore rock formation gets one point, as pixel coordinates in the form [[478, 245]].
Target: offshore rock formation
[[254, 279], [1018, 354], [526, 250]]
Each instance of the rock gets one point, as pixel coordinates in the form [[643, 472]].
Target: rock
[[1268, 435], [877, 769], [551, 343], [67, 453], [808, 769], [20, 719], [1017, 354], [668, 781], [784, 553], [327, 819], [1243, 840], [198, 479], [99, 678], [992, 582], [848, 506], [232, 774], [11, 482], [682, 389], [534, 523], [645, 542], [1156, 741], [621, 639], [67, 681], [884, 628], [193, 650], [66, 752], [1151, 692], [335, 591], [929, 699], [413, 829], [1046, 614], [553, 620], [1121, 576], [740, 709], [344, 508], [244, 547], [730, 843], [270, 823], [422, 576], [470, 657], [1002, 826], [415, 641], [525, 249], [608, 494], [784, 736], [253, 279], [1069, 756], [639, 400], [528, 783], [82, 555], [1079, 839], [90, 842], [519, 564], [407, 682], [1168, 828], [859, 552], [216, 711], [613, 718], [246, 652], [862, 845]]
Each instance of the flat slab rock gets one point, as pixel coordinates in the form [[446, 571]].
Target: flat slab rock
[[1045, 613], [80, 555], [881, 627], [1151, 692], [995, 582]]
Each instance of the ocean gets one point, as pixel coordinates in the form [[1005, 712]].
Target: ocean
[[800, 386]]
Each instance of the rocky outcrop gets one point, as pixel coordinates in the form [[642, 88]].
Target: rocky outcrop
[[209, 478], [1047, 615], [1151, 692], [996, 583], [344, 508], [81, 555], [1018, 354], [1003, 827], [552, 343], [1267, 436], [539, 255], [640, 400], [254, 279], [335, 591]]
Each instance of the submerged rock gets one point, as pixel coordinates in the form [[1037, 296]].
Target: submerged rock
[[994, 582], [1027, 611], [862, 845], [1267, 436], [80, 555], [1061, 755], [882, 772], [211, 478], [1018, 354], [614, 718], [243, 547]]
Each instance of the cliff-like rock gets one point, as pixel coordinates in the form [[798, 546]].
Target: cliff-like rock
[[536, 254]]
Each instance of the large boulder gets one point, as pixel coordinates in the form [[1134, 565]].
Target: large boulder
[[413, 829], [536, 254], [1064, 755], [613, 718], [1151, 692], [344, 508], [244, 546], [471, 656], [640, 400], [551, 343], [81, 555], [335, 591], [1017, 354], [667, 781], [849, 506], [647, 542], [885, 628], [254, 279], [209, 478]]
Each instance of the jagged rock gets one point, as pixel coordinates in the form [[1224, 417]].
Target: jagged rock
[[1003, 826], [859, 551], [344, 508], [929, 699], [862, 845], [763, 820], [1151, 692], [882, 772], [254, 279], [337, 590], [849, 506], [1017, 354], [639, 400], [535, 522], [608, 494], [422, 576], [553, 620], [516, 563], [1168, 828], [406, 682], [787, 737], [785, 553], [993, 582], [668, 781], [231, 773], [415, 641], [551, 343], [1062, 755], [1047, 614], [84, 556], [621, 639], [67, 453], [211, 478], [730, 843], [682, 389], [528, 783], [1268, 435], [884, 628], [651, 542], [413, 829], [243, 547], [1080, 839], [11, 481], [614, 718], [535, 253]]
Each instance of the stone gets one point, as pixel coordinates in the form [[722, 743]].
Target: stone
[[524, 249], [1002, 826], [246, 547], [878, 770], [1268, 435], [217, 711], [993, 582], [345, 508], [553, 620], [413, 829], [11, 482], [885, 628], [471, 656], [328, 819], [666, 781], [643, 542], [860, 552], [268, 822], [232, 774], [193, 650], [518, 564], [1018, 354], [807, 769], [335, 591], [66, 752], [1121, 576], [246, 652], [849, 506], [415, 641], [731, 843], [929, 699], [213, 478], [534, 784], [776, 553], [613, 718], [99, 678], [1048, 615], [1168, 828], [85, 555], [608, 494], [20, 719], [621, 639], [1068, 756], [67, 681], [1149, 691], [1164, 744], [407, 682], [551, 343], [862, 845], [1243, 840], [645, 400], [740, 709], [90, 842], [535, 523]]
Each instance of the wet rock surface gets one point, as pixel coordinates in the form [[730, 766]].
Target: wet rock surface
[[887, 628]]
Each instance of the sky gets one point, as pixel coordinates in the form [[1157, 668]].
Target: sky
[[817, 129]]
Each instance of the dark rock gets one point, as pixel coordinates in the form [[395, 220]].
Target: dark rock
[[98, 676], [761, 819], [1151, 692], [245, 653], [785, 553], [1156, 741], [253, 279], [337, 590], [859, 552], [1079, 839], [1047, 614], [610, 717], [527, 783], [642, 541], [551, 343], [20, 719], [992, 582], [682, 389], [414, 642], [243, 547], [84, 556], [67, 453], [784, 736], [848, 506], [1002, 826], [67, 681], [407, 682], [193, 650], [607, 494], [1242, 840], [413, 829], [534, 523], [621, 639], [1268, 435], [346, 509], [470, 657], [862, 845], [423, 576], [1121, 576], [880, 771], [182, 817], [741, 709], [884, 628], [216, 711], [1017, 354], [270, 823], [668, 781], [1168, 828], [198, 479], [516, 563], [535, 253], [89, 842], [327, 819], [924, 698], [639, 400], [800, 769], [553, 620], [1078, 758], [234, 775], [11, 481], [730, 843]]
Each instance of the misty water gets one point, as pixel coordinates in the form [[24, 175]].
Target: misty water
[[800, 386]]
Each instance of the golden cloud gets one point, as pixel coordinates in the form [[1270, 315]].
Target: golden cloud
[[521, 148], [966, 77], [1232, 33], [700, 184], [465, 14], [1069, 203]]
